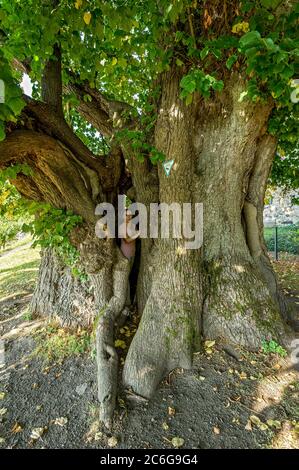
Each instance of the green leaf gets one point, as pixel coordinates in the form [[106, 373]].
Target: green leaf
[[16, 105], [204, 52], [218, 85], [250, 39], [189, 99], [188, 84], [2, 131], [231, 60], [270, 4]]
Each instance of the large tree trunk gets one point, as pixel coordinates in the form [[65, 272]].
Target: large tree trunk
[[226, 289], [221, 290], [170, 324], [60, 296], [239, 304]]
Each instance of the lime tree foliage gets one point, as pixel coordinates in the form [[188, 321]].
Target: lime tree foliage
[[121, 86], [48, 226]]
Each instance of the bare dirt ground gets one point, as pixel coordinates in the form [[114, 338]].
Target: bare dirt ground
[[230, 399]]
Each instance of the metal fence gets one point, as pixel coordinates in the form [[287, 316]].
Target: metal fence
[[282, 239]]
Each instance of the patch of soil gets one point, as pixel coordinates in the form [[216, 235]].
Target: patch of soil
[[209, 406]]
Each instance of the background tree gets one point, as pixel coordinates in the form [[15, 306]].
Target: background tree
[[204, 83]]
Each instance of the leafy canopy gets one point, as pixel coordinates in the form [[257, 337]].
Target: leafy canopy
[[121, 46]]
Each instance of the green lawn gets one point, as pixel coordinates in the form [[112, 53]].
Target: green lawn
[[18, 270]]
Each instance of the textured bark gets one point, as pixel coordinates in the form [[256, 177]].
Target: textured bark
[[107, 358], [238, 305], [60, 296], [67, 175], [218, 147], [52, 82], [225, 290], [253, 215], [170, 323]]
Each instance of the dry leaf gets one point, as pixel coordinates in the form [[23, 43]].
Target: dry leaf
[[2, 395], [263, 427], [78, 4], [171, 411], [243, 375], [216, 430], [165, 426], [274, 423], [60, 421], [177, 442], [36, 433], [248, 426], [119, 343], [112, 441], [17, 428], [209, 344]]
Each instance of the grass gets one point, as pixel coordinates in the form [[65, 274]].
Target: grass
[[15, 244], [55, 344], [18, 270]]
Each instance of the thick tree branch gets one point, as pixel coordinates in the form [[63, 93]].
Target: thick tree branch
[[56, 126], [56, 175], [107, 116], [52, 82]]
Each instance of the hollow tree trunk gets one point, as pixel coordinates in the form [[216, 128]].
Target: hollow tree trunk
[[220, 290]]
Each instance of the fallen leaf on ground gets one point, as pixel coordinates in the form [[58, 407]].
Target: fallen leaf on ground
[[255, 420], [2, 395], [119, 343], [243, 375], [216, 430], [177, 442], [263, 427], [60, 421], [17, 428], [274, 423], [165, 426], [248, 426], [37, 433], [171, 411], [209, 344], [112, 441]]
